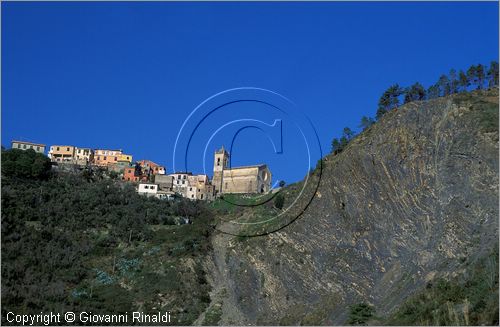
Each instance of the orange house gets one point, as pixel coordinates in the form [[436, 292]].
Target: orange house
[[106, 157], [149, 166], [130, 175]]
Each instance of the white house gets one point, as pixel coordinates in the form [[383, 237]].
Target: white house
[[148, 189]]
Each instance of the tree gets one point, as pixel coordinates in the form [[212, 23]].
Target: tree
[[348, 133], [389, 100], [336, 146], [113, 174], [444, 85], [416, 92], [493, 74], [281, 183], [471, 75], [380, 112], [433, 92], [27, 164], [480, 76], [279, 201], [360, 313], [463, 81], [339, 144], [453, 81], [366, 122]]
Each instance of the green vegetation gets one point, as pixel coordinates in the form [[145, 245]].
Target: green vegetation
[[249, 210], [470, 299], [213, 315], [279, 201], [339, 144], [360, 313], [29, 164], [476, 77], [80, 242]]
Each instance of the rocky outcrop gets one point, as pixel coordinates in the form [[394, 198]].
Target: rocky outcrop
[[403, 204]]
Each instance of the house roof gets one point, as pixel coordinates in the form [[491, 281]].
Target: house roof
[[25, 142], [244, 167]]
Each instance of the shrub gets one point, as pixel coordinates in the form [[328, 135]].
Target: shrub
[[279, 201], [360, 313], [26, 164]]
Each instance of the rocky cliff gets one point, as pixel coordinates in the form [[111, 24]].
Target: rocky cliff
[[411, 199]]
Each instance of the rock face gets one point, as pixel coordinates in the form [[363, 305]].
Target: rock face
[[406, 202]]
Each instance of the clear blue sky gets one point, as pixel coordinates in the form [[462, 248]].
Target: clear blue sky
[[126, 75]]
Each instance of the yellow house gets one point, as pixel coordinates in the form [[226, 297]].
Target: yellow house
[[62, 153], [125, 157]]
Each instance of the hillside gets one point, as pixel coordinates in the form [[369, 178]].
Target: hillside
[[85, 242], [403, 229], [408, 208]]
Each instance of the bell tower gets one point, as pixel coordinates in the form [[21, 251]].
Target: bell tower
[[221, 159]]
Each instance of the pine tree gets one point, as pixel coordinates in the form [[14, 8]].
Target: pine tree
[[389, 100], [453, 81], [336, 147], [480, 76], [471, 75], [463, 81], [493, 74], [416, 92], [348, 133], [444, 85], [366, 122], [433, 92]]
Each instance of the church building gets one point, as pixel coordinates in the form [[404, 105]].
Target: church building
[[245, 179]]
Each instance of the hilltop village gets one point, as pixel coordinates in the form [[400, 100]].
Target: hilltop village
[[152, 179]]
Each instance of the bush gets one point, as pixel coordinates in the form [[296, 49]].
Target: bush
[[360, 313], [279, 201], [25, 164]]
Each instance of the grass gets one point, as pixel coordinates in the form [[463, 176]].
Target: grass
[[163, 273], [213, 315], [471, 299]]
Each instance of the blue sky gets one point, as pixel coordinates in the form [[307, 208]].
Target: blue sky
[[127, 75]]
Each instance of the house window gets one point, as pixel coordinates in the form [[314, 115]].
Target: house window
[[24, 146], [218, 161], [184, 177], [67, 149], [226, 186], [57, 149], [178, 182], [31, 146], [104, 158], [115, 158], [202, 196], [183, 182], [190, 188], [178, 176], [38, 148], [192, 196], [98, 158]]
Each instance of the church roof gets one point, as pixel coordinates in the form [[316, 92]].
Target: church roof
[[222, 150], [243, 167]]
